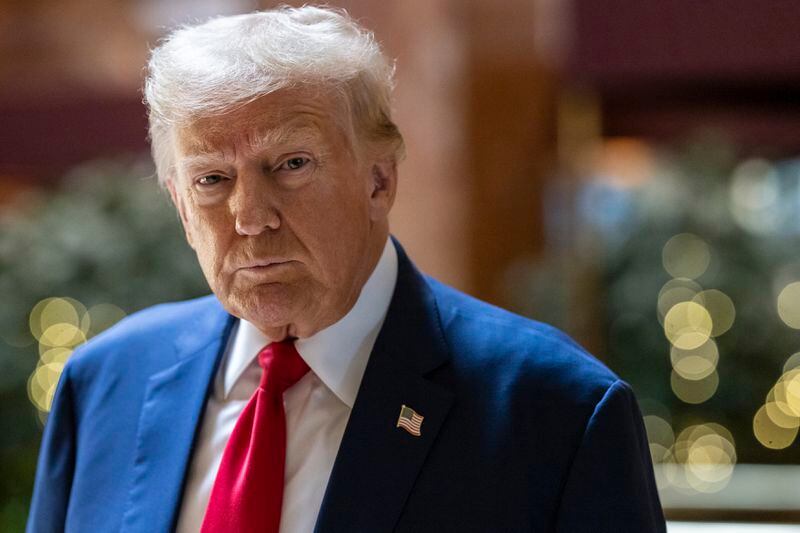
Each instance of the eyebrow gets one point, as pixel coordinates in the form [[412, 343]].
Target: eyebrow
[[200, 159], [283, 135], [205, 150]]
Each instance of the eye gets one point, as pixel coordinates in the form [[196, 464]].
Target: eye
[[211, 179], [295, 163]]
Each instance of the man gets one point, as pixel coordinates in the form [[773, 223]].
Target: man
[[326, 385]]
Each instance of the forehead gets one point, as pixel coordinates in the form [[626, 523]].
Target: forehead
[[289, 115]]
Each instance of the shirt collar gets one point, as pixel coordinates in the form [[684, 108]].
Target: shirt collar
[[338, 354]]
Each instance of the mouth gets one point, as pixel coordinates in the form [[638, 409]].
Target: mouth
[[266, 265]]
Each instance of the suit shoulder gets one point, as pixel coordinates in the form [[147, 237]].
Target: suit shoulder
[[512, 347], [151, 329]]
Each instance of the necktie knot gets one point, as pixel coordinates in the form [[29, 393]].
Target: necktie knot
[[283, 366]]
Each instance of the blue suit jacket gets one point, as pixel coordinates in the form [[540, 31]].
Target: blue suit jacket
[[523, 430]]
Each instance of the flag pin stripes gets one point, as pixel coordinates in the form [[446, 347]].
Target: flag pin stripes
[[410, 420]]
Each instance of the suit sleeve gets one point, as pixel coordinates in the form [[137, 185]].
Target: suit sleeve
[[56, 463], [610, 486]]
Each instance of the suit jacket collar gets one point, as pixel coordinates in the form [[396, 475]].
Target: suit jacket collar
[[413, 328], [378, 462], [172, 408]]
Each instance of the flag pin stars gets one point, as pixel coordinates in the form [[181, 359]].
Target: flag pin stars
[[410, 420]]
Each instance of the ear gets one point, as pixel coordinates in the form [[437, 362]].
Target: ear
[[181, 208], [383, 187]]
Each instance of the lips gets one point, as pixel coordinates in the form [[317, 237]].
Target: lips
[[264, 263], [268, 269]]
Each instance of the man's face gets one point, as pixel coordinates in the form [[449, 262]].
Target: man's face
[[287, 214]]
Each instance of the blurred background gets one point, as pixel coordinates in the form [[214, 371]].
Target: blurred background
[[627, 171]]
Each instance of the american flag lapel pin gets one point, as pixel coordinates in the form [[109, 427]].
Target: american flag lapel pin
[[410, 420]]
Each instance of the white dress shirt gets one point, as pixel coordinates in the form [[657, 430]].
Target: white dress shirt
[[317, 407]]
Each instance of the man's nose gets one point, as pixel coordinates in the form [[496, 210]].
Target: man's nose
[[253, 205]]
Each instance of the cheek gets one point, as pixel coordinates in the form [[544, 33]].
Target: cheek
[[338, 219], [210, 235], [344, 233]]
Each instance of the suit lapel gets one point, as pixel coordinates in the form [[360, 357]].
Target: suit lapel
[[378, 462], [171, 411]]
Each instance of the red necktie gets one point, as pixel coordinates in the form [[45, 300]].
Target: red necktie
[[248, 490]]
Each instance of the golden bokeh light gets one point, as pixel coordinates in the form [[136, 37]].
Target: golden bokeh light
[[100, 317], [786, 392], [658, 453], [62, 335], [697, 363], [710, 463], [659, 431], [779, 413], [688, 325], [78, 306], [686, 256], [769, 434], [789, 305], [684, 441], [703, 458], [56, 323], [720, 307], [694, 391], [58, 311], [42, 384], [675, 474], [674, 292], [54, 355], [693, 433], [792, 362], [35, 317]]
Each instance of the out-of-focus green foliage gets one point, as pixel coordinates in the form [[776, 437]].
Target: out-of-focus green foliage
[[603, 272], [106, 234], [749, 263]]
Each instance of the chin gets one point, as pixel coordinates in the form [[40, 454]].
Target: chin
[[271, 305]]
